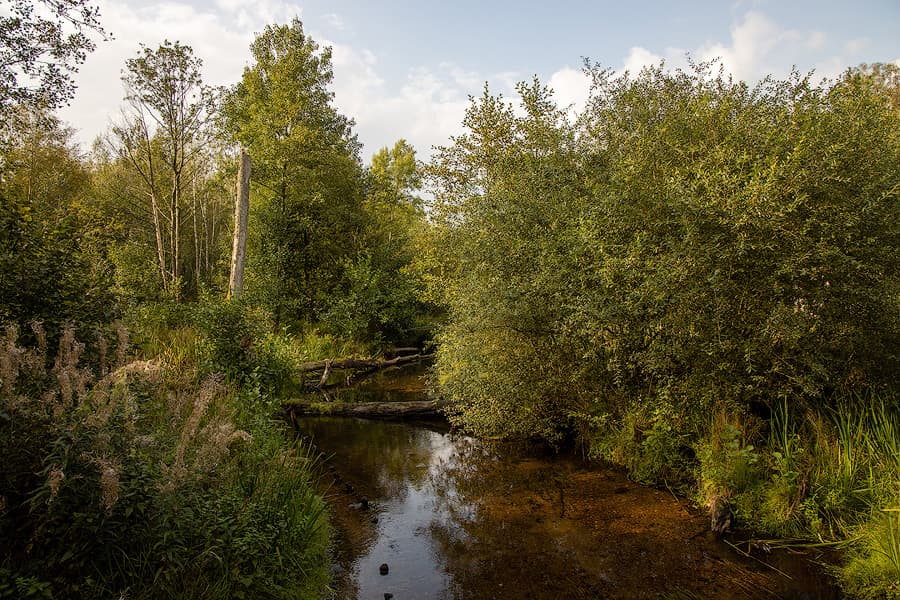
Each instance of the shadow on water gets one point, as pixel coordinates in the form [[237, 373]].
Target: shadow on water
[[456, 517]]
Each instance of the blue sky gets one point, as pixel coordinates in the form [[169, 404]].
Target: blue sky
[[406, 68]]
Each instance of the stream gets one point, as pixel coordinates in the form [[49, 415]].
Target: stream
[[456, 517]]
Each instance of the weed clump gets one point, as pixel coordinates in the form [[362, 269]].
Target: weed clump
[[119, 481]]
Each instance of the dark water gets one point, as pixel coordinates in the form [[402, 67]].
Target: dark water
[[455, 517]]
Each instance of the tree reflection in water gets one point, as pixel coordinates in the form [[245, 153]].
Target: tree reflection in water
[[464, 518]]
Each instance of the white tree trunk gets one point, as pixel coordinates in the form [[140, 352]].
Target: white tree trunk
[[241, 214]]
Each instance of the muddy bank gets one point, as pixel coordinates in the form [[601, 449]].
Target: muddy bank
[[455, 517]]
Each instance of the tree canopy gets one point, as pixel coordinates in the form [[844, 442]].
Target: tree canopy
[[307, 187], [689, 241], [40, 49]]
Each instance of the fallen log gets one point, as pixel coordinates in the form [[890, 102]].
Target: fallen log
[[360, 363], [401, 351], [367, 410]]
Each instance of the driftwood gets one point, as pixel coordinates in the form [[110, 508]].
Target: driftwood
[[358, 367], [367, 410], [359, 363]]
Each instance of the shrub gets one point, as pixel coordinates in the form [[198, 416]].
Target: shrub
[[126, 485]]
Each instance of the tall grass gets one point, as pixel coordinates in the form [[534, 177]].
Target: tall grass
[[828, 475], [146, 480]]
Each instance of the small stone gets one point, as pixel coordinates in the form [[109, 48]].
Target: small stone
[[383, 569], [373, 520], [388, 596], [364, 503]]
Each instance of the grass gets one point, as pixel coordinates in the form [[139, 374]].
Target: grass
[[818, 477], [149, 480]]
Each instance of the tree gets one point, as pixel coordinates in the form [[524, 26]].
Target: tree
[[692, 244], [46, 271], [40, 49], [380, 296], [307, 178], [509, 195], [164, 138]]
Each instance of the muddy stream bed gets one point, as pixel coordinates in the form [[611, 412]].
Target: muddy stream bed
[[456, 517]]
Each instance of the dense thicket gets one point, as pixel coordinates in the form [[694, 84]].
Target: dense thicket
[[46, 272], [690, 242]]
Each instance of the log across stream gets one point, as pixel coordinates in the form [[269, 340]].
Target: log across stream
[[456, 517]]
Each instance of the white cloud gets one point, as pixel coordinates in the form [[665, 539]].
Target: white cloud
[[816, 40], [638, 58], [571, 89], [758, 47], [855, 46], [426, 110]]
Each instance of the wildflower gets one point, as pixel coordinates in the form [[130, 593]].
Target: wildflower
[[54, 481], [109, 482]]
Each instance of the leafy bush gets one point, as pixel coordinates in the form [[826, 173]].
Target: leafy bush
[[229, 335], [126, 485], [688, 238]]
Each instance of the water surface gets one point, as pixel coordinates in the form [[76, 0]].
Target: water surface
[[455, 517]]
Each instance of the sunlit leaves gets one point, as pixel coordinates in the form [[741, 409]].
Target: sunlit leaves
[[690, 237]]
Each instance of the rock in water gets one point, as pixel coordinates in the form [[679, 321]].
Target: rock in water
[[383, 569]]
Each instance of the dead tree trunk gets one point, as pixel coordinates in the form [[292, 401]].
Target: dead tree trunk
[[357, 367], [241, 216], [359, 363], [370, 410]]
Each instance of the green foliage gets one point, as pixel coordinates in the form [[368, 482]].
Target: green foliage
[[46, 270], [873, 570], [508, 197], [650, 441], [40, 50], [376, 304], [306, 212], [690, 237], [128, 485], [14, 587], [230, 331], [162, 142], [380, 297]]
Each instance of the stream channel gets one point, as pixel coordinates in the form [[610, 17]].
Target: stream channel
[[456, 517]]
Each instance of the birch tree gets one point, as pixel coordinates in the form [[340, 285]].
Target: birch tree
[[163, 135]]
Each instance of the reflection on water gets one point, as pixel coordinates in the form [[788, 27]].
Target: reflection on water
[[454, 517], [391, 465]]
